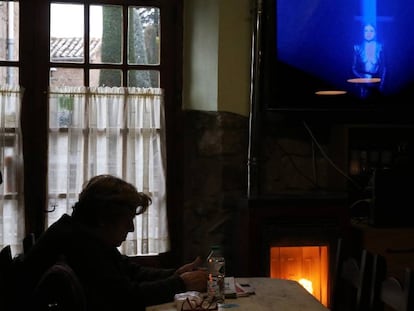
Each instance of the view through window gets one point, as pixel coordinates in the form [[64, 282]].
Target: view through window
[[11, 192], [94, 77], [105, 110]]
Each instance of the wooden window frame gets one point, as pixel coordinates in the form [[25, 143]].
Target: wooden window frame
[[34, 63]]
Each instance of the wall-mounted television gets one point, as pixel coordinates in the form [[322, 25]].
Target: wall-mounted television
[[337, 55]]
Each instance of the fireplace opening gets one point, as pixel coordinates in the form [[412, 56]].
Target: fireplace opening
[[308, 265], [303, 253], [297, 239]]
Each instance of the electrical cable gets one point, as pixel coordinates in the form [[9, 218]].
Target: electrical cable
[[328, 159]]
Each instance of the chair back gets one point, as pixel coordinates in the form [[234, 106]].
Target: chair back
[[398, 294], [379, 269], [352, 280], [59, 289], [28, 242], [6, 258], [6, 261]]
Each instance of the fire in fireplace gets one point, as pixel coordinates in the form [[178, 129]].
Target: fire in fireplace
[[307, 265]]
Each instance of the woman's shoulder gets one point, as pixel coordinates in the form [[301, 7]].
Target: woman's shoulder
[[358, 47]]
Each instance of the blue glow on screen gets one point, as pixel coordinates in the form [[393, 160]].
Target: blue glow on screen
[[317, 37]]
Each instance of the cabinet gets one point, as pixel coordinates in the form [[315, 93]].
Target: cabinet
[[374, 148]]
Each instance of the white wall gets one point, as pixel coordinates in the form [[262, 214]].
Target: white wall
[[217, 52]]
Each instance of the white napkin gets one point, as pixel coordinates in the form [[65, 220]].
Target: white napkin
[[182, 303]]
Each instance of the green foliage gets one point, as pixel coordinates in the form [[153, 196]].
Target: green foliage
[[111, 44], [66, 103], [141, 41]]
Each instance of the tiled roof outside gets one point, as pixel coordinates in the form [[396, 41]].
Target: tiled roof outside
[[71, 48]]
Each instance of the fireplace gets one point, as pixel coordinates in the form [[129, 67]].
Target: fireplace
[[296, 238], [308, 265]]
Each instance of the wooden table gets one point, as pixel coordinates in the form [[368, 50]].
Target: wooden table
[[270, 295]]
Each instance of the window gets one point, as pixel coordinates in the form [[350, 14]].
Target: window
[[115, 45], [11, 192], [92, 47], [115, 130]]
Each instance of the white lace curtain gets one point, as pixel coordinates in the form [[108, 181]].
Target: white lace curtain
[[118, 131], [12, 224]]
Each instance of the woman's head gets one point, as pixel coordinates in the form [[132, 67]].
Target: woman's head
[[109, 204], [369, 32]]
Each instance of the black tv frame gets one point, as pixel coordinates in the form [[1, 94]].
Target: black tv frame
[[266, 70]]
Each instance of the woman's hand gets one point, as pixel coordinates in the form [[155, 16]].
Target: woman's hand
[[195, 280], [193, 276], [194, 265]]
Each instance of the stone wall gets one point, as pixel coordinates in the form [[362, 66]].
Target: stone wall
[[296, 157], [215, 178], [216, 174]]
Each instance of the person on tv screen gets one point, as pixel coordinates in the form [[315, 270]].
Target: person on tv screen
[[368, 63]]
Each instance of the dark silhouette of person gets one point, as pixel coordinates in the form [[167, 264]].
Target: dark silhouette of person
[[88, 241], [368, 63]]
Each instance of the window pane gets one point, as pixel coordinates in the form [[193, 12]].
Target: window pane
[[95, 35], [9, 30], [96, 22], [66, 77], [10, 164], [144, 36], [66, 33], [111, 47], [144, 78], [9, 75], [105, 77]]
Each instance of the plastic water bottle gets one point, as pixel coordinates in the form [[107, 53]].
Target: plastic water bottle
[[216, 266]]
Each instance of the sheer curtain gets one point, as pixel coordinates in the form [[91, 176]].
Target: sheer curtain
[[12, 225], [112, 130]]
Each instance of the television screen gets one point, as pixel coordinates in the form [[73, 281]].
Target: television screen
[[343, 54]]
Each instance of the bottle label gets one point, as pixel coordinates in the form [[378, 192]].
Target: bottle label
[[215, 288], [215, 283]]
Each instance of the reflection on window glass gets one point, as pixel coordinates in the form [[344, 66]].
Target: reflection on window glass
[[144, 78], [143, 36], [66, 33], [66, 77]]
